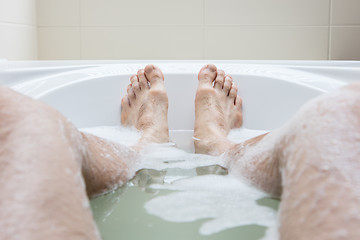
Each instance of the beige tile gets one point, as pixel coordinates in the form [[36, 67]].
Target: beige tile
[[141, 12], [18, 11], [345, 43], [64, 13], [142, 43], [345, 12], [59, 43], [18, 42], [269, 12], [277, 43]]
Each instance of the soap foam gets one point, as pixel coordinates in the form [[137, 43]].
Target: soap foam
[[118, 134], [224, 201], [240, 135]]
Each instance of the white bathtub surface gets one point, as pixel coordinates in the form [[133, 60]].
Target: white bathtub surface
[[89, 94]]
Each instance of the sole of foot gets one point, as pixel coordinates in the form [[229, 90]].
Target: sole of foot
[[218, 109], [145, 106]]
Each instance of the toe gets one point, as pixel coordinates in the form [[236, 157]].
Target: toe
[[238, 116], [238, 102], [131, 93], [142, 79], [207, 75], [136, 87], [227, 85], [135, 84], [154, 75], [219, 80], [133, 79], [125, 110], [125, 105], [233, 92]]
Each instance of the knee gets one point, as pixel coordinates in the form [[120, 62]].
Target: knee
[[5, 93], [331, 110], [14, 103], [354, 87], [352, 94], [8, 97], [8, 107], [345, 100], [14, 106]]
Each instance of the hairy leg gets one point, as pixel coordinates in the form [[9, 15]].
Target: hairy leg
[[43, 192], [218, 109], [45, 162], [108, 165], [315, 159], [312, 162], [320, 164]]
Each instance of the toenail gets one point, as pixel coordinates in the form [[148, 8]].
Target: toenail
[[149, 68], [219, 81], [221, 72], [228, 77], [211, 67]]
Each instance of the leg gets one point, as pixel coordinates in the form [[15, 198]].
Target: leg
[[312, 162], [145, 108], [319, 156], [218, 109], [146, 105], [43, 193], [44, 161]]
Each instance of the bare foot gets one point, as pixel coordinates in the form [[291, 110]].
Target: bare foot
[[146, 105], [218, 109]]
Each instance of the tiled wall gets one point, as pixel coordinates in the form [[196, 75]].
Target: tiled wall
[[186, 29], [199, 29], [345, 30], [18, 30]]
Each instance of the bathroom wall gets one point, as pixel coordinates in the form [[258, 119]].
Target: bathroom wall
[[187, 29], [18, 30], [345, 30], [199, 29]]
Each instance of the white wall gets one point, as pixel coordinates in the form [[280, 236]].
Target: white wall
[[18, 30], [187, 29], [199, 29], [345, 30]]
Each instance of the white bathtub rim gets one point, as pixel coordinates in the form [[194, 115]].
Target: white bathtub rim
[[39, 86]]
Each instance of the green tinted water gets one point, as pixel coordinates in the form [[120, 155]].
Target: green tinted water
[[121, 214]]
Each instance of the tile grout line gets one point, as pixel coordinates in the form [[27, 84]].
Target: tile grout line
[[203, 29], [198, 25], [80, 30], [37, 30], [330, 29], [18, 24]]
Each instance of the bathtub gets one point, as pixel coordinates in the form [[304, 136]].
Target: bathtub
[[89, 94]]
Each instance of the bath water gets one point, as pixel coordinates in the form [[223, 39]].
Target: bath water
[[181, 195]]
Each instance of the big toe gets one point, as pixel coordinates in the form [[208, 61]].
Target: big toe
[[154, 75], [207, 75], [125, 109]]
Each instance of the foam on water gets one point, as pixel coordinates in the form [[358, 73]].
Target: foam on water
[[119, 134], [239, 135], [224, 201], [164, 156]]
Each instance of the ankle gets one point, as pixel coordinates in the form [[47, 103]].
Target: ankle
[[154, 136], [213, 146]]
